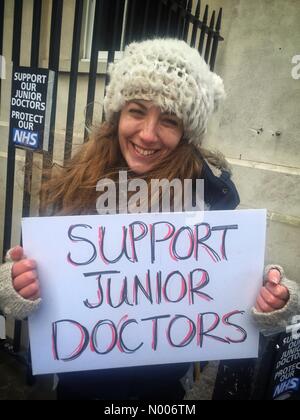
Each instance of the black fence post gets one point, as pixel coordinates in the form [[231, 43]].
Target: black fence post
[[180, 23], [11, 152], [195, 24], [209, 37], [53, 64], [158, 18], [216, 36], [73, 79], [34, 62], [145, 20], [11, 163], [187, 20], [93, 67]]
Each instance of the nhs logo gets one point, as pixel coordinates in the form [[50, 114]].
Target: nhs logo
[[289, 385], [25, 138]]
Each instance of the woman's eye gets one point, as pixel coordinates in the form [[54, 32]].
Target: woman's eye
[[170, 122], [136, 111]]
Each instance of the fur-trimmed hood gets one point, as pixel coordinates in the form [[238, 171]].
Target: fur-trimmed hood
[[220, 193]]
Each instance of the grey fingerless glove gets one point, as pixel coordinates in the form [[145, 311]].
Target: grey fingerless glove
[[11, 303], [278, 319]]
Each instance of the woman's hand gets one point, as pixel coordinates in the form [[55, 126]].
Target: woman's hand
[[273, 295], [24, 275]]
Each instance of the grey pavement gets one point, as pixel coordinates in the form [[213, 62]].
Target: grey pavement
[[13, 382]]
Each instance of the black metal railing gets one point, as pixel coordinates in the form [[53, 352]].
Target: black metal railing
[[164, 18], [73, 78], [11, 159]]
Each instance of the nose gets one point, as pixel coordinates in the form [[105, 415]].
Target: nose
[[149, 131]]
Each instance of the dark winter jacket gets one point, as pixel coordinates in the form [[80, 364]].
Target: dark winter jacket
[[149, 382]]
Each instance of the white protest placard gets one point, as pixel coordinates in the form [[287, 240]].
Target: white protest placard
[[142, 289]]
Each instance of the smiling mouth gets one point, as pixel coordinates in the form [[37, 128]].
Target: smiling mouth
[[144, 152]]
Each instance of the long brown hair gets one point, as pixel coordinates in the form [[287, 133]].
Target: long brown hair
[[71, 189]]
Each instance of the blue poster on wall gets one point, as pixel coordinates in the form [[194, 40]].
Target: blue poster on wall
[[285, 377], [31, 104]]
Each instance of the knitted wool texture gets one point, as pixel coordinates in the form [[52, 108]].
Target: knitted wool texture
[[281, 317], [172, 75], [11, 303]]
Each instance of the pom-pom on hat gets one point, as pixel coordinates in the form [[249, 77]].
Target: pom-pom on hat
[[171, 74]]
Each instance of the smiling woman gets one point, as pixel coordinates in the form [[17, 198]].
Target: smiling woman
[[147, 135], [157, 106]]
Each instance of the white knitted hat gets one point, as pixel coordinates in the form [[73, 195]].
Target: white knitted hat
[[172, 75]]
